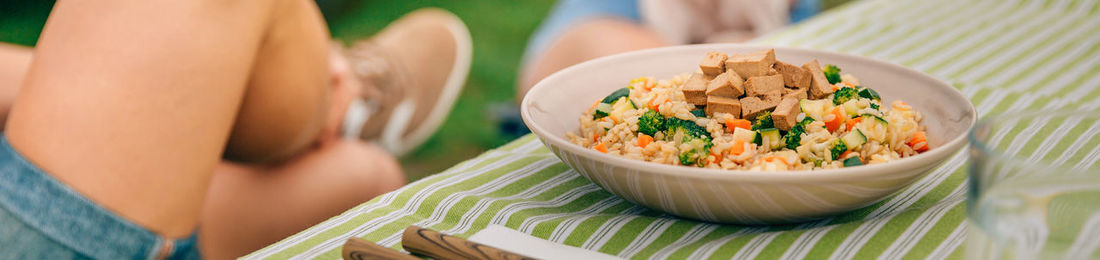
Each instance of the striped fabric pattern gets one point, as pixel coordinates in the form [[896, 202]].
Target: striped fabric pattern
[[1005, 55]]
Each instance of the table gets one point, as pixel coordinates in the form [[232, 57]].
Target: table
[[1006, 56]]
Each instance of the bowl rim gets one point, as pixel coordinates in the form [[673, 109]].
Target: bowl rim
[[952, 146]]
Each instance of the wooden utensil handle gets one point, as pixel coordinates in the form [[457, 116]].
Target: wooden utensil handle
[[359, 249], [437, 245]]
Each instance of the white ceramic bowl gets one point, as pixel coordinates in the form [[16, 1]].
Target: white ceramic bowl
[[553, 106]]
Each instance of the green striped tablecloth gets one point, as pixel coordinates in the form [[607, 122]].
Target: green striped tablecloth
[[1012, 55]]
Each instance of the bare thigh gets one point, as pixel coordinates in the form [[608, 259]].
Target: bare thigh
[[14, 61]]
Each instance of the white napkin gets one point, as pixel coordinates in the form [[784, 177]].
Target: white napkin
[[514, 241]]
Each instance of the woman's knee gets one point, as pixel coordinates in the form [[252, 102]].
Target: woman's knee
[[376, 166], [288, 96]]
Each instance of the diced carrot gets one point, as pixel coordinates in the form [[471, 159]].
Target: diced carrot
[[919, 142], [654, 105], [776, 158], [738, 123], [593, 107], [714, 157], [838, 118], [835, 88], [852, 122], [596, 138], [644, 140], [738, 147], [600, 147], [845, 154]]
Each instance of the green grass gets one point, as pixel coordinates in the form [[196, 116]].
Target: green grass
[[500, 29]]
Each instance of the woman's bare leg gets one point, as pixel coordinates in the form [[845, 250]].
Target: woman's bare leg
[[14, 61], [251, 207], [584, 41], [134, 110], [246, 206], [287, 98]]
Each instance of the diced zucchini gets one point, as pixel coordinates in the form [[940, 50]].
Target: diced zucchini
[[773, 137], [853, 139], [852, 108], [875, 106], [873, 127], [877, 119], [743, 134], [869, 94], [881, 120], [602, 110], [854, 161], [619, 107], [815, 109], [622, 92]]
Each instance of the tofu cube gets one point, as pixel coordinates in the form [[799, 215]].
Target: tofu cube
[[751, 64], [713, 64], [786, 113], [793, 76], [763, 85], [727, 84], [819, 86], [752, 106], [695, 90], [795, 93], [773, 98], [720, 104]]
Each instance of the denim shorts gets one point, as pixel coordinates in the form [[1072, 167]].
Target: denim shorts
[[43, 218], [566, 13]]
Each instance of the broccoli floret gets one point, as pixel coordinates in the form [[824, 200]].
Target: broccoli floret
[[699, 113], [692, 134], [838, 148], [763, 121], [794, 137], [832, 73], [688, 127], [843, 95], [651, 122], [698, 154]]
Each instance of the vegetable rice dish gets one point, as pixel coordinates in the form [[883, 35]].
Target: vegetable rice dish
[[752, 112]]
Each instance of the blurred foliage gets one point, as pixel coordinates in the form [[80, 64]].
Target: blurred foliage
[[22, 21]]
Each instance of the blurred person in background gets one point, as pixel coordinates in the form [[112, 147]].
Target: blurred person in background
[[180, 129], [578, 30]]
